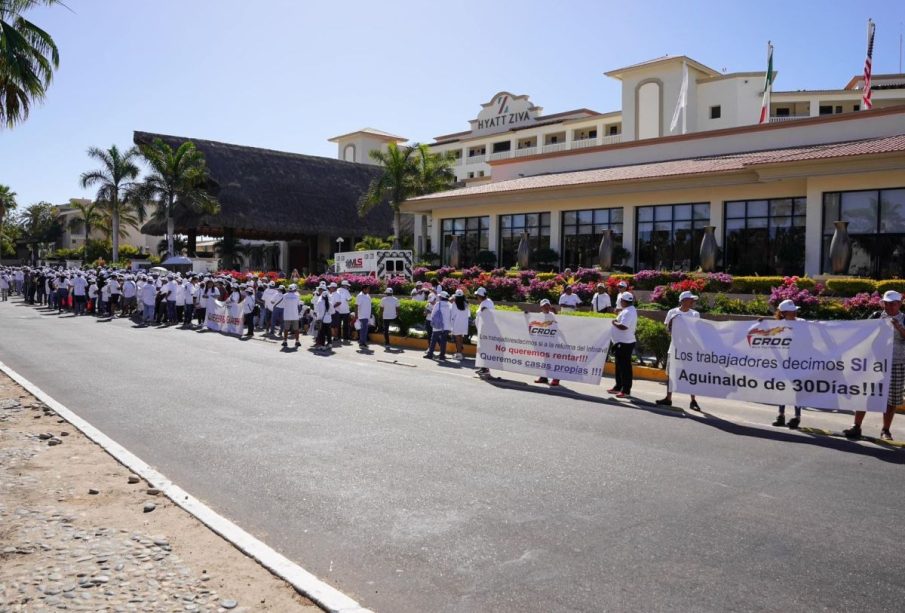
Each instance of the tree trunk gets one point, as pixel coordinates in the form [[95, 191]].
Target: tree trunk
[[171, 229], [397, 227], [85, 244], [193, 243], [115, 205]]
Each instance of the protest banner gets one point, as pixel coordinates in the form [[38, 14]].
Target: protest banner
[[224, 317], [822, 365], [544, 345]]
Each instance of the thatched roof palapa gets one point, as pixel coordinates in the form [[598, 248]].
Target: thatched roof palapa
[[275, 195]]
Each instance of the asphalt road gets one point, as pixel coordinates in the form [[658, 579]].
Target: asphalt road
[[414, 487]]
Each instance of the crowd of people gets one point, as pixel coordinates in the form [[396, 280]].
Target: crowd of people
[[167, 298]]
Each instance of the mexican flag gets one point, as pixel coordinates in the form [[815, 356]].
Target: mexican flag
[[768, 87]]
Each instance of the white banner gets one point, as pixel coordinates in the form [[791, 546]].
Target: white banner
[[822, 365], [544, 345], [224, 317]]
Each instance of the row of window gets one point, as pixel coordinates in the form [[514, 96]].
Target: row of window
[[759, 236]]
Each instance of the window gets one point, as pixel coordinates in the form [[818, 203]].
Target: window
[[838, 109], [764, 237], [582, 231], [669, 236], [592, 134], [716, 112], [857, 107], [876, 227], [552, 140], [503, 145], [613, 130], [826, 109], [349, 153], [474, 236], [782, 111], [537, 225], [480, 173], [471, 175]]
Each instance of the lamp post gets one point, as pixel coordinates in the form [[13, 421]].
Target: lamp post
[[339, 244]]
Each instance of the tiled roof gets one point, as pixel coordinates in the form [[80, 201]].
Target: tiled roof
[[681, 167]]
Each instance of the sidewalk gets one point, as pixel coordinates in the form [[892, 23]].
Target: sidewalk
[[79, 532]]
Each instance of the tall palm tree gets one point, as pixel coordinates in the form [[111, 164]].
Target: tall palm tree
[[89, 215], [7, 203], [115, 181], [434, 172], [28, 57], [370, 243], [176, 183], [394, 185], [230, 250], [129, 213]]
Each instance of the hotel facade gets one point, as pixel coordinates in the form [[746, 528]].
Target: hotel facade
[[771, 193]]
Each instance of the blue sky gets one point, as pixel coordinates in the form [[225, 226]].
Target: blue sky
[[289, 74]]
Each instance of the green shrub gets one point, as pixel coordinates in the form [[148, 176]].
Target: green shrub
[[456, 275], [732, 306], [763, 285], [653, 338], [891, 284], [851, 286], [545, 276], [486, 259], [431, 276]]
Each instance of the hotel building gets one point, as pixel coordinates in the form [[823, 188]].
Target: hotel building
[[771, 191]]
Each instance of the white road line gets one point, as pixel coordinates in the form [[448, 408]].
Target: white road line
[[326, 596]]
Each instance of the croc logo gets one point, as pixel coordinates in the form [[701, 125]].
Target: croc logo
[[769, 337], [543, 328]]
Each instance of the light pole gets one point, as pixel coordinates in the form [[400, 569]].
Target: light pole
[[339, 244]]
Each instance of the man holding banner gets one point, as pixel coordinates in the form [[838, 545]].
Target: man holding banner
[[892, 307], [624, 344]]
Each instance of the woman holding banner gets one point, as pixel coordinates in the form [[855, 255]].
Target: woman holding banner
[[548, 315], [892, 313], [686, 302], [787, 311]]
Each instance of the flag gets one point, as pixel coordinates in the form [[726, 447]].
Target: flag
[[866, 104], [768, 87], [682, 102]]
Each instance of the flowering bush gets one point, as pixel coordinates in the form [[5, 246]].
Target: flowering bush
[[649, 279], [862, 305], [443, 272], [538, 290], [668, 295], [498, 272], [419, 272], [472, 273], [789, 290], [717, 282], [588, 275]]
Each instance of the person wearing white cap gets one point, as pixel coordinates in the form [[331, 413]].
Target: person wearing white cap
[[441, 324], [148, 300], [267, 310], [548, 314], [170, 291], [92, 294], [621, 288], [363, 315], [276, 307], [248, 310], [290, 305], [891, 315], [601, 302], [4, 286], [115, 293], [686, 302], [324, 313], [130, 296], [190, 297], [431, 298], [568, 300], [624, 344], [460, 315], [343, 311], [389, 308], [486, 304], [79, 293], [787, 311], [416, 292]]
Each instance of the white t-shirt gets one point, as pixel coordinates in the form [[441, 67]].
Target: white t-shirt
[[290, 306], [248, 304], [363, 306], [171, 289], [677, 312], [627, 317], [569, 301], [619, 299], [92, 291], [180, 295], [388, 306], [114, 287], [601, 302], [342, 296], [79, 285], [129, 289]]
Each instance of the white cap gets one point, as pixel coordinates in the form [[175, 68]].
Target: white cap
[[389, 290], [332, 285], [344, 283], [444, 294], [627, 297], [892, 296], [787, 306], [432, 298], [686, 295], [480, 292], [459, 292], [545, 302], [293, 287], [622, 284]]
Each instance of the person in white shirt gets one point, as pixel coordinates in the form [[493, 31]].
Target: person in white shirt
[[92, 294], [547, 314], [486, 304], [79, 293], [568, 300], [621, 289], [290, 304], [4, 287], [248, 311], [441, 323], [461, 318], [130, 293], [389, 306], [417, 293], [148, 301], [105, 299], [341, 302], [686, 302], [170, 292], [363, 314], [115, 293], [601, 302], [267, 310], [324, 312], [623, 345]]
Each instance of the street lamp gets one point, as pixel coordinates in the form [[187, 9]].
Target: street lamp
[[339, 244]]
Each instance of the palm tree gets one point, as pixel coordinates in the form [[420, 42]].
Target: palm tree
[[434, 171], [272, 256], [255, 254], [176, 183], [395, 184], [7, 203], [128, 211], [370, 243], [116, 184], [179, 244], [230, 250], [89, 215], [28, 57], [40, 224]]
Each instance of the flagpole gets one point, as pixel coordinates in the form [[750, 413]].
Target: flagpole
[[685, 108]]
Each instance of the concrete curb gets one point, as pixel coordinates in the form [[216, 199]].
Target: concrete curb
[[327, 597]]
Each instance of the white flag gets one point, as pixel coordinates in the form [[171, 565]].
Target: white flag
[[682, 102]]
